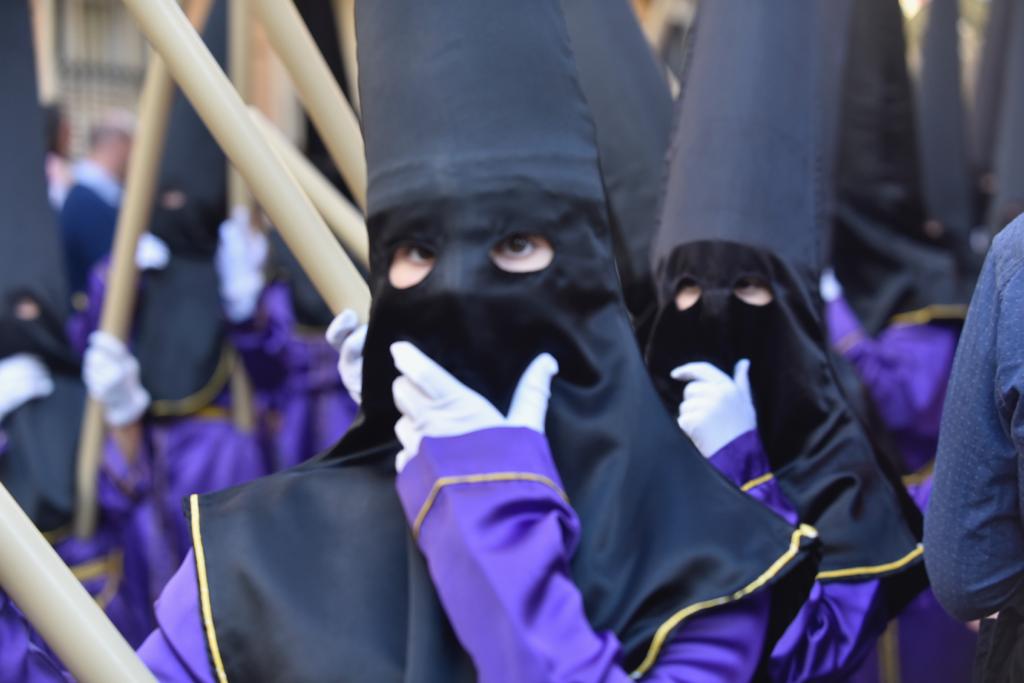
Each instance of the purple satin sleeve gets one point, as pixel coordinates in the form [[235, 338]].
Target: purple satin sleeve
[[176, 651], [492, 519], [837, 626], [23, 655], [85, 321], [743, 461], [906, 370]]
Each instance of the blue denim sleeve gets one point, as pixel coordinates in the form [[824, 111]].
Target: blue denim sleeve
[[974, 534]]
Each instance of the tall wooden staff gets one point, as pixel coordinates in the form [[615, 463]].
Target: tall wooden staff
[[122, 280], [345, 16], [57, 605], [318, 89], [227, 118], [344, 219]]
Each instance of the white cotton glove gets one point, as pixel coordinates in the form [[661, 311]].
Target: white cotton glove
[[348, 337], [716, 408], [434, 403], [241, 255], [111, 376], [151, 252], [23, 378], [830, 287]]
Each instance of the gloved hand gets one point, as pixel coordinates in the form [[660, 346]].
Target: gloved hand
[[716, 408], [830, 287], [151, 252], [23, 377], [348, 337], [241, 255], [111, 376], [434, 403]]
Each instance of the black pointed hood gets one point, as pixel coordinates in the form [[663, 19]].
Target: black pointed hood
[[890, 259], [476, 131], [629, 98], [988, 94], [744, 214], [37, 441], [1008, 201], [179, 327], [942, 135]]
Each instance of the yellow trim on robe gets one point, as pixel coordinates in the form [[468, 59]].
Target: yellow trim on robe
[[478, 479], [204, 592], [754, 483], [923, 316], [876, 569], [663, 632], [204, 396]]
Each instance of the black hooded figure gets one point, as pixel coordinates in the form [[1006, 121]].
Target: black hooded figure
[[475, 131], [889, 258], [1008, 200], [180, 332], [627, 90], [988, 98], [744, 210], [942, 140], [38, 440]]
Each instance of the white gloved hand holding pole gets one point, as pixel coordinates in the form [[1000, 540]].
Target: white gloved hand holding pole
[[23, 377], [831, 289], [348, 337], [111, 375], [241, 255], [434, 403], [716, 408]]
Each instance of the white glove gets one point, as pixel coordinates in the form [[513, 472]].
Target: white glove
[[241, 255], [111, 376], [716, 408], [434, 403], [151, 252], [23, 378], [348, 337], [830, 287]]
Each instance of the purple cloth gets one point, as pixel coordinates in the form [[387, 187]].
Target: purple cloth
[[23, 655], [176, 651], [492, 520], [906, 370], [295, 374], [835, 629]]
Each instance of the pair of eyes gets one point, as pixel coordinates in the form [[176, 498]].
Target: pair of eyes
[[411, 262], [749, 290]]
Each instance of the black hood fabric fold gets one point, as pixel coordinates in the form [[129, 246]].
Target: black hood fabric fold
[[889, 258], [744, 206], [179, 335], [1008, 201], [37, 456], [942, 138], [627, 90], [988, 96], [476, 130]]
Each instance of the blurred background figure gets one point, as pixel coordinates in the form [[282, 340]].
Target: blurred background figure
[[89, 214], [59, 173]]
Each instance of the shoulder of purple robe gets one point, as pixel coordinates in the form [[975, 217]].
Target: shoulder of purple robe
[[832, 633], [176, 651], [23, 655], [490, 514], [262, 341], [744, 462]]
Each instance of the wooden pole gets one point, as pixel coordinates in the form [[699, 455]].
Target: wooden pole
[[345, 15], [227, 118], [57, 605], [44, 27], [341, 216], [239, 44], [318, 89]]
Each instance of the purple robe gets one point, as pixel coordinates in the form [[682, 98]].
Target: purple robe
[[24, 657], [306, 408], [502, 576], [836, 628], [906, 369]]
